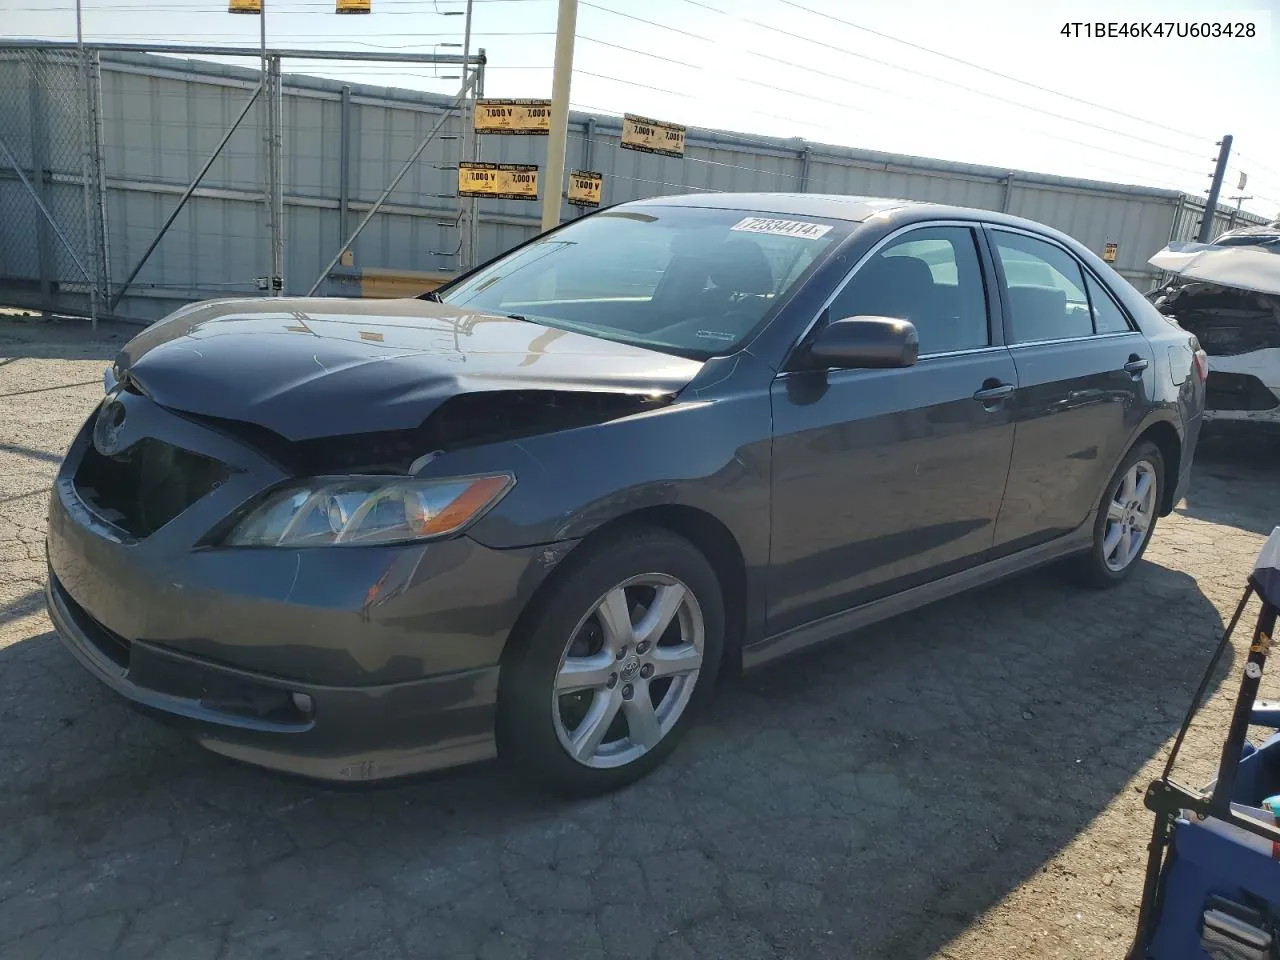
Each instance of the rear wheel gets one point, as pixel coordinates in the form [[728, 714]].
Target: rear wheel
[[1126, 518], [603, 681]]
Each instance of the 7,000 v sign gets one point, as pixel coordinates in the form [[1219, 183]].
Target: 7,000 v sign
[[502, 181], [529, 117]]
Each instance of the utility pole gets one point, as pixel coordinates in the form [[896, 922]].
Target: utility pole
[[561, 75], [466, 118], [1235, 214], [1215, 188], [274, 192]]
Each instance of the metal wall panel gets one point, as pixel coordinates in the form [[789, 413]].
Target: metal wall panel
[[163, 116]]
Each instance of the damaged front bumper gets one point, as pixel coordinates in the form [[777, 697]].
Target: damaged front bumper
[[1229, 297], [1244, 390], [345, 664]]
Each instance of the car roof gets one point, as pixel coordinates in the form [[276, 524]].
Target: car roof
[[840, 207], [832, 205]]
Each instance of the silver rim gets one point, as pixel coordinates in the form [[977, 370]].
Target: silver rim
[[1129, 514], [628, 671]]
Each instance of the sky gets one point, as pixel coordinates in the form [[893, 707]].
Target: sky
[[961, 80]]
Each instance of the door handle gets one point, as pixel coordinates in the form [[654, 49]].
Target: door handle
[[994, 394], [1136, 365]]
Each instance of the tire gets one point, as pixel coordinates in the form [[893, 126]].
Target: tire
[[580, 740], [1126, 519]]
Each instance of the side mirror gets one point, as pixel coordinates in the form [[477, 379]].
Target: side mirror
[[865, 342]]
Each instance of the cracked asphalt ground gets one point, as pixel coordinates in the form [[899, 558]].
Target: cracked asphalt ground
[[963, 782]]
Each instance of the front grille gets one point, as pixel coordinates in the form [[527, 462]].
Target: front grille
[[111, 645], [1237, 391], [144, 487]]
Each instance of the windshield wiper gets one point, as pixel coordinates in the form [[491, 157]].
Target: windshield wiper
[[518, 316], [431, 295]]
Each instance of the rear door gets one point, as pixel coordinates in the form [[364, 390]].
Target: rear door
[[883, 479], [1082, 373]]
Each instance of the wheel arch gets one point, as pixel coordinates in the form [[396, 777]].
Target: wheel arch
[[705, 531], [1169, 442]]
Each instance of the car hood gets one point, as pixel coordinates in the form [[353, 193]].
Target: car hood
[[307, 368], [1252, 268]]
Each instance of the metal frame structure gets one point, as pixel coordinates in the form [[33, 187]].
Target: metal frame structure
[[90, 257]]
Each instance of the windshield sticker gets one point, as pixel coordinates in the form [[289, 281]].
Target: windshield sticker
[[782, 228], [715, 335]]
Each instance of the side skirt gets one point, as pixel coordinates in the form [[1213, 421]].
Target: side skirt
[[838, 624]]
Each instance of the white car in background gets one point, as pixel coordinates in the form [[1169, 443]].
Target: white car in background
[[1227, 293]]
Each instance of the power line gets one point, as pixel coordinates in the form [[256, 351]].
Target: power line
[[1245, 158], [960, 86], [1144, 160], [715, 163], [167, 38], [973, 90], [652, 23], [748, 140], [857, 83], [633, 83], [643, 53], [994, 73], [907, 96]]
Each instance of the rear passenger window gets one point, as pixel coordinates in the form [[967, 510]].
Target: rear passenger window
[[1045, 288], [1107, 316], [929, 276]]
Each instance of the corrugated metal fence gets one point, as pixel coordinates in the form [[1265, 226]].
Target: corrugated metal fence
[[136, 128]]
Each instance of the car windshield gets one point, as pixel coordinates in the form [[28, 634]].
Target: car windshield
[[685, 280]]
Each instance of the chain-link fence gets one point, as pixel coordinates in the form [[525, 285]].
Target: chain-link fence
[[52, 236], [213, 179]]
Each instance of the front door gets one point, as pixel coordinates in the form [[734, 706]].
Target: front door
[[1082, 373], [883, 479]]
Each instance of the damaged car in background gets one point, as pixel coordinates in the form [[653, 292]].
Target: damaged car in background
[[538, 511], [1227, 293]]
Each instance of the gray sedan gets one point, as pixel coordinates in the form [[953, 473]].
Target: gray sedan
[[539, 512]]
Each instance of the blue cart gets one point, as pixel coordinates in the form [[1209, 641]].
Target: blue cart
[[1212, 888]]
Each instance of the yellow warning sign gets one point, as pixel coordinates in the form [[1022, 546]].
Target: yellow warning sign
[[352, 6], [1109, 251], [528, 117], [504, 181], [652, 136], [244, 6], [585, 187]]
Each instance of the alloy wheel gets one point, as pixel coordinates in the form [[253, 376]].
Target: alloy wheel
[[628, 671], [1130, 512]]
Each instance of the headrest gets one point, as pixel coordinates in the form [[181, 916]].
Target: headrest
[[739, 266]]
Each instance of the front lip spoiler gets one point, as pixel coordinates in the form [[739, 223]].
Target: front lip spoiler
[[451, 715], [75, 638]]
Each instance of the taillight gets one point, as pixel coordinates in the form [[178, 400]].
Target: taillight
[[1201, 362]]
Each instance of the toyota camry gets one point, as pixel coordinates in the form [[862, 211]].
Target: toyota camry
[[538, 512]]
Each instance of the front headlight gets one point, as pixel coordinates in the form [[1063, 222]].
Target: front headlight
[[351, 511]]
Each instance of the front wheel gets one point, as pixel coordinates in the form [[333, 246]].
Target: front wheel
[[601, 683], [1126, 518]]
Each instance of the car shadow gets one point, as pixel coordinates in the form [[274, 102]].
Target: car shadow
[[22, 606], [870, 798], [1244, 472]]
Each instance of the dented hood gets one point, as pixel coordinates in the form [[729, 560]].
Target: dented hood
[[307, 368], [1255, 268]]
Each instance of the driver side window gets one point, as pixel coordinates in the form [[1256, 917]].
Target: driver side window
[[930, 277]]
